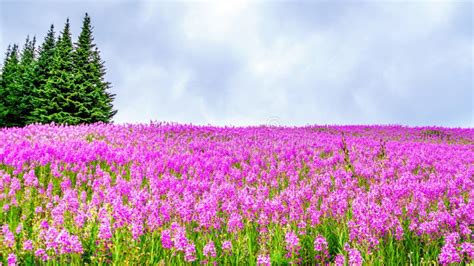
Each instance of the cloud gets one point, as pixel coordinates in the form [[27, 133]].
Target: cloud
[[251, 62]]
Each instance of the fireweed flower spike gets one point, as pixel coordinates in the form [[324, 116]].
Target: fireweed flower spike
[[292, 243], [227, 246], [209, 250], [263, 260], [11, 259]]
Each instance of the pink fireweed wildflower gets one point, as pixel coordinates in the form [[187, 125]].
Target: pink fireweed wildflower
[[19, 228], [468, 249], [320, 244], [180, 241], [14, 186], [340, 260], [28, 245], [11, 260], [44, 224], [302, 227], [137, 230], [190, 252], [41, 253], [38, 209], [449, 255], [292, 243], [227, 246], [30, 179], [263, 260], [8, 237], [68, 243], [321, 248], [235, 223], [166, 241], [105, 232], [355, 259], [209, 249]]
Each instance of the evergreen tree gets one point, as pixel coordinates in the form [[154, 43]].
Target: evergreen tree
[[3, 85], [60, 84], [25, 95], [10, 89], [83, 72], [94, 100], [104, 106], [42, 72]]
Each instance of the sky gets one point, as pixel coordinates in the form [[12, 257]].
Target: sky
[[273, 62]]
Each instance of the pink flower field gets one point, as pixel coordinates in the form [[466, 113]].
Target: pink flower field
[[172, 194]]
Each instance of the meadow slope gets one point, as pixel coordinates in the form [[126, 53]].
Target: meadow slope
[[177, 194]]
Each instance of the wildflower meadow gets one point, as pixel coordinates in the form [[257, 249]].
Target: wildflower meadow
[[172, 194]]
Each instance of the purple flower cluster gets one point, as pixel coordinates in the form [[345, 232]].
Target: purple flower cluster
[[11, 259], [8, 237], [355, 259], [175, 238], [227, 246], [321, 248], [292, 243], [263, 260], [210, 250], [453, 251]]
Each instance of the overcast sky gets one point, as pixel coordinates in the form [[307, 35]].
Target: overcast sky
[[273, 62]]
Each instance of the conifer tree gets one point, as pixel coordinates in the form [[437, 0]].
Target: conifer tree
[[10, 89], [95, 102], [64, 84], [3, 85], [27, 78], [42, 72], [60, 84], [105, 111], [83, 71]]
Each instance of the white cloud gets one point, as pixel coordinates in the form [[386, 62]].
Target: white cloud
[[214, 20], [156, 93], [312, 75]]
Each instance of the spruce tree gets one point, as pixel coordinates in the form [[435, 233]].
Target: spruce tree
[[10, 89], [60, 84], [1, 92], [83, 71], [105, 111], [26, 98], [3, 86], [42, 72], [94, 100]]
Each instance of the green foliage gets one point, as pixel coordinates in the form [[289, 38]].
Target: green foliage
[[27, 78], [11, 88], [16, 104], [60, 83], [91, 88], [42, 73], [65, 84]]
